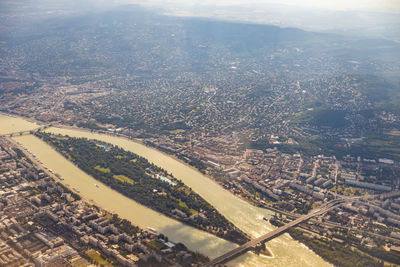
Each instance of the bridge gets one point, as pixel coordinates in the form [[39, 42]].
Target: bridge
[[271, 235], [27, 131]]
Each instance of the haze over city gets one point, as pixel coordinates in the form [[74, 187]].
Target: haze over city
[[199, 133]]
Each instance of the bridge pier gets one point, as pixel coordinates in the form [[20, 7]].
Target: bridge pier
[[228, 258]]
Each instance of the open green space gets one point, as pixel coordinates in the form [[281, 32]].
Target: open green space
[[377, 146], [136, 178], [123, 178], [96, 257], [98, 168], [372, 146], [322, 116], [156, 244]]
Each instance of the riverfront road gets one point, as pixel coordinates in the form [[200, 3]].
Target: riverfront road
[[315, 212], [33, 159]]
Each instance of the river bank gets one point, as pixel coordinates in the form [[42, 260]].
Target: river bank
[[108, 164], [114, 202], [286, 251]]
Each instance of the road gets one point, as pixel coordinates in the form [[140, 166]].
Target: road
[[262, 239], [317, 211], [34, 160], [251, 244]]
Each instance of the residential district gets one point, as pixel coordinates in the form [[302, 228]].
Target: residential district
[[43, 223], [285, 123]]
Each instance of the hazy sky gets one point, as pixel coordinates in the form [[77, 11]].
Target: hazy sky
[[370, 5]]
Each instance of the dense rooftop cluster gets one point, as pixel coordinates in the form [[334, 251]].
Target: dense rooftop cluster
[[284, 118], [44, 223]]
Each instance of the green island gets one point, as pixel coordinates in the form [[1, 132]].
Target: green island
[[144, 182]]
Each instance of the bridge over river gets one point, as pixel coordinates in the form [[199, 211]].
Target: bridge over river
[[20, 133], [271, 235]]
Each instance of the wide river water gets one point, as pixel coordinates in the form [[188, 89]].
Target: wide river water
[[286, 251]]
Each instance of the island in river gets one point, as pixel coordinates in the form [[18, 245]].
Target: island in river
[[286, 251], [145, 183]]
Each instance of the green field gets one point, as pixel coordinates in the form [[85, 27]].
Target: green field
[[97, 258], [61, 138], [104, 170], [155, 244], [183, 205], [348, 191], [123, 178]]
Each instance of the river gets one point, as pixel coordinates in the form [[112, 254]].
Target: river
[[11, 124], [286, 251]]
